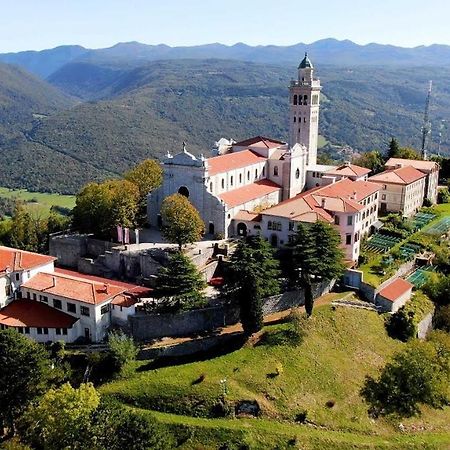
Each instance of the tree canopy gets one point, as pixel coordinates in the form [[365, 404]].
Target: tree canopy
[[316, 256], [182, 223], [253, 275], [180, 282], [419, 374], [100, 207], [147, 176], [25, 373], [371, 160]]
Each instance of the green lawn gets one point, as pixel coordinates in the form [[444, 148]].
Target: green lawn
[[341, 347], [38, 201]]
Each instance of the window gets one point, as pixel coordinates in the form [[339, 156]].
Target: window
[[384, 187], [39, 330], [349, 220], [376, 195], [295, 119], [57, 303], [104, 309], [383, 197], [348, 239], [356, 237], [34, 297], [295, 99], [27, 330], [28, 296], [305, 99], [64, 331], [58, 331], [248, 175], [336, 220], [45, 298], [71, 307], [291, 226], [84, 311], [45, 330], [269, 225], [264, 171], [17, 277], [210, 186], [231, 180], [223, 183], [256, 173], [20, 330], [297, 173], [240, 178], [275, 171]]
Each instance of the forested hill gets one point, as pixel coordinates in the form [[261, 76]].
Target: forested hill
[[325, 51], [125, 113]]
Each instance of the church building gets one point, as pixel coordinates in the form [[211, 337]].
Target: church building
[[244, 183]]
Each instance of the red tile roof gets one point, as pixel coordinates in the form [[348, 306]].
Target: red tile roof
[[31, 313], [404, 175], [424, 166], [247, 216], [396, 289], [66, 286], [124, 300], [233, 160], [18, 260], [260, 141], [138, 291], [355, 190], [349, 170], [250, 192]]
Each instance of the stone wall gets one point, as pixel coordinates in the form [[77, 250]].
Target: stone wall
[[425, 325], [154, 326]]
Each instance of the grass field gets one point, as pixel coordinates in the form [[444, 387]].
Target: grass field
[[341, 347], [38, 201]]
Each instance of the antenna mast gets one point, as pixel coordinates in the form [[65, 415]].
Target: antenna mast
[[426, 127]]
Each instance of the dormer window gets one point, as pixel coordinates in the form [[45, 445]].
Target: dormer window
[[275, 171]]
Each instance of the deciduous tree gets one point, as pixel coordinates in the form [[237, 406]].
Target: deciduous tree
[[371, 160], [147, 176], [182, 223]]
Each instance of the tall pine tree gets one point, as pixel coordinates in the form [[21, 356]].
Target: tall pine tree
[[253, 276], [316, 256], [180, 283]]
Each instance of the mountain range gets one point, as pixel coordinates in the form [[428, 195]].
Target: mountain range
[[325, 51], [87, 115]]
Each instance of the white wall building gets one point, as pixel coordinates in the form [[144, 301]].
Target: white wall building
[[402, 190], [429, 168]]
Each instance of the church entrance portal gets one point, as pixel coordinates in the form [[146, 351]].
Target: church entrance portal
[[242, 229], [184, 191]]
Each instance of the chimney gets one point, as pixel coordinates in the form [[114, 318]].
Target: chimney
[[323, 203], [105, 288]]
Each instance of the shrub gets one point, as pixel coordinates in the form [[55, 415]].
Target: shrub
[[443, 196], [400, 325], [417, 375], [441, 319], [121, 349]]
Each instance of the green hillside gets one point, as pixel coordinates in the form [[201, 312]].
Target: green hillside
[[322, 377], [126, 113]]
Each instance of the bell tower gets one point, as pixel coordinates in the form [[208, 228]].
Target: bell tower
[[304, 102]]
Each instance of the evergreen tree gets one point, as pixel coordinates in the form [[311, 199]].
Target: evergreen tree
[[393, 149], [180, 283], [316, 256], [182, 222], [253, 276]]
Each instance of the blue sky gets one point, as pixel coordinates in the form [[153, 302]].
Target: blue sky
[[39, 24]]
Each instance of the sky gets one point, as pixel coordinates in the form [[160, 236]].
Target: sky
[[41, 24]]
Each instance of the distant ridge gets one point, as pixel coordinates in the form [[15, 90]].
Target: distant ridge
[[326, 51]]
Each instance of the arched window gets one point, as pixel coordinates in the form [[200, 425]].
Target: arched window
[[305, 99], [184, 191], [295, 119], [295, 99], [297, 173], [223, 183], [275, 171]]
